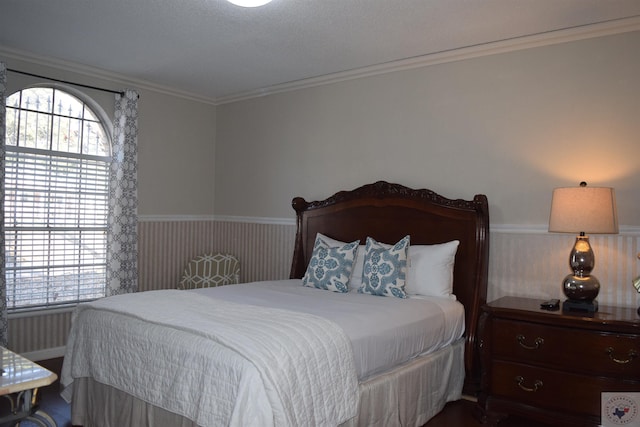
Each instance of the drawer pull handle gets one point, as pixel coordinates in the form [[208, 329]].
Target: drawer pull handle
[[536, 344], [536, 385], [630, 356]]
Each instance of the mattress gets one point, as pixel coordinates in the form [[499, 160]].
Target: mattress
[[381, 332], [384, 332]]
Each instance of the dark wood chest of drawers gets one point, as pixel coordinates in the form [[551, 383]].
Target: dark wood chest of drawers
[[553, 366]]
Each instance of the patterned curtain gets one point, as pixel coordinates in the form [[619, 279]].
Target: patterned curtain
[[3, 282], [122, 238]]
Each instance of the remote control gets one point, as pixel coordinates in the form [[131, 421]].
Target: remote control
[[552, 304]]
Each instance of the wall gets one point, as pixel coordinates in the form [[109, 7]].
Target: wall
[[176, 152], [512, 126], [521, 263], [530, 264], [176, 142], [165, 247]]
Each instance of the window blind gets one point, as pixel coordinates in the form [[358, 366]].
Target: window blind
[[55, 227]]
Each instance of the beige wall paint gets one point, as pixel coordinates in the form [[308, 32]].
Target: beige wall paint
[[511, 125], [508, 125], [176, 142], [176, 156]]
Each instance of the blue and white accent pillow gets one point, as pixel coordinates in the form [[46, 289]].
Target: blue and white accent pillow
[[330, 267], [385, 268]]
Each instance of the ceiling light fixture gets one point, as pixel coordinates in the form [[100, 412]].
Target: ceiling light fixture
[[249, 3]]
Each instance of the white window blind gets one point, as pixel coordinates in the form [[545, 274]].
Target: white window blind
[[56, 200]]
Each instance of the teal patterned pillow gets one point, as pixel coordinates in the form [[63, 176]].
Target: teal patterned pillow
[[385, 268], [330, 267]]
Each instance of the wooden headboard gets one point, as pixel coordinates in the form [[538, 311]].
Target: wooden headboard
[[388, 212]]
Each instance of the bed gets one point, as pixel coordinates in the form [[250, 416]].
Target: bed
[[317, 363]]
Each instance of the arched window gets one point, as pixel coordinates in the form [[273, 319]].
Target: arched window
[[57, 163]]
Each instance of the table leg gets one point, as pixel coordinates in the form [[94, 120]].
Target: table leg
[[24, 407]]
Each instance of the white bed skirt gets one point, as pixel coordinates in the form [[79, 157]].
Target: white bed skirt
[[409, 395]]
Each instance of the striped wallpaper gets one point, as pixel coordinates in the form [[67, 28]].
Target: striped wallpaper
[[165, 247], [526, 264], [521, 263]]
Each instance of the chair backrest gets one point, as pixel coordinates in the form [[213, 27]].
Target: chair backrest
[[210, 270]]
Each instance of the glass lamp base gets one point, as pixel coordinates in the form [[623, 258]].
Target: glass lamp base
[[581, 288]]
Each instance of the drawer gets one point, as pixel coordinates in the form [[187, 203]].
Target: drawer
[[552, 389], [575, 350]]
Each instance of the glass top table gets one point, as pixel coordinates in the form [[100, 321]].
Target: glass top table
[[19, 382]]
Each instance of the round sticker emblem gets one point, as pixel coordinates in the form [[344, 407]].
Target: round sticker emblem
[[621, 410]]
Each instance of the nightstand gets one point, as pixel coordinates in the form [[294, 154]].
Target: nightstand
[[552, 366]]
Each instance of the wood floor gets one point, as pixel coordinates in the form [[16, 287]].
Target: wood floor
[[455, 414], [461, 414]]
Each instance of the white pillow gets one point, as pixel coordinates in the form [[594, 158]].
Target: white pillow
[[358, 269], [431, 269]]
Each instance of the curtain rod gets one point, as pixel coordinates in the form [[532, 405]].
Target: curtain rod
[[66, 82]]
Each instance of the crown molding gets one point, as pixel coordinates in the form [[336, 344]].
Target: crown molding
[[119, 79], [582, 32], [566, 35]]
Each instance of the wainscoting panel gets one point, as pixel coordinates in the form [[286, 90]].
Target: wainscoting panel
[[43, 333], [535, 264], [165, 247], [522, 263]]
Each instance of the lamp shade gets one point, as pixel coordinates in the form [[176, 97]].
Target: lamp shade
[[585, 209]]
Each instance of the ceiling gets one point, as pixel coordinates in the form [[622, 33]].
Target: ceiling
[[215, 50]]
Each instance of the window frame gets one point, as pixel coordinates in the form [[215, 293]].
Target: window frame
[[107, 127]]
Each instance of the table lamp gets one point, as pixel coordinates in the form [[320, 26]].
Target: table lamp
[[582, 210]]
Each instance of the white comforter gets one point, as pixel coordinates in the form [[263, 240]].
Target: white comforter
[[384, 332], [215, 363]]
